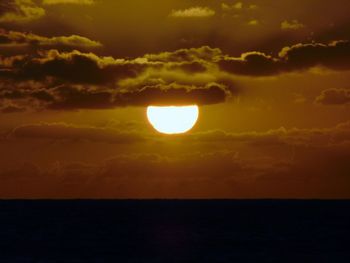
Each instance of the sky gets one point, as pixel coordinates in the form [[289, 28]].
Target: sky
[[271, 79]]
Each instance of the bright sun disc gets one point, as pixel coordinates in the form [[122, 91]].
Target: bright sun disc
[[172, 119]]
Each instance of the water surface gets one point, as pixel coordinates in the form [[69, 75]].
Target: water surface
[[175, 231]]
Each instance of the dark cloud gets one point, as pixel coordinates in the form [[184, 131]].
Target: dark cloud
[[300, 57], [251, 64], [335, 55], [75, 97], [71, 67], [195, 60], [78, 80], [334, 97], [174, 94]]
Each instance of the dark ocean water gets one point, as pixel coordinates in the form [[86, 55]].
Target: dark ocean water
[[174, 231]]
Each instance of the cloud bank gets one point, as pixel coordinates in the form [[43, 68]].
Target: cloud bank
[[52, 79]]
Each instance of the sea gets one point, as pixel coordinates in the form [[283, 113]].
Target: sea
[[150, 231]]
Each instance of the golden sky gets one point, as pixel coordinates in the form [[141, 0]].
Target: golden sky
[[271, 79]]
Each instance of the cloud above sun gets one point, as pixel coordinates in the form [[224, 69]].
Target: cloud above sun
[[77, 2], [20, 11], [15, 39], [24, 11], [197, 11], [291, 25], [76, 80]]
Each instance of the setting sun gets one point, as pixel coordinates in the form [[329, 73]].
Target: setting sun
[[172, 119]]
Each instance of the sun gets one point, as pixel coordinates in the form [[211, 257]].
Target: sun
[[173, 119]]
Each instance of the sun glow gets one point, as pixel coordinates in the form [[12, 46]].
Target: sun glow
[[173, 119]]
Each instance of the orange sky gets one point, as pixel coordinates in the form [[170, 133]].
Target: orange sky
[[271, 79]]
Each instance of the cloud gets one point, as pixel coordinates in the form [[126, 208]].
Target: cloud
[[281, 164], [77, 2], [334, 97], [72, 80], [294, 58], [205, 53], [74, 97], [281, 137], [19, 11], [334, 55], [300, 57], [216, 174], [236, 6], [62, 131], [251, 63], [9, 107], [197, 11], [20, 39], [76, 80], [121, 176], [174, 94], [291, 25], [253, 7], [253, 22], [73, 67]]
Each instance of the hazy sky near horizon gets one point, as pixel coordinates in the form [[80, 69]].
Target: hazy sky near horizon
[[271, 79]]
